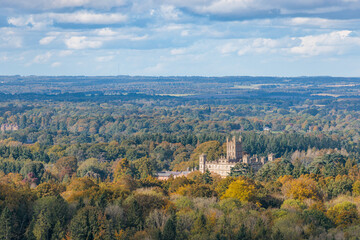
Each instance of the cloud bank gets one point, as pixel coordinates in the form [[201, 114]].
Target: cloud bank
[[184, 37]]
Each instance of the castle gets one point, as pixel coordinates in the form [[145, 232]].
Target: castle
[[8, 127], [234, 155]]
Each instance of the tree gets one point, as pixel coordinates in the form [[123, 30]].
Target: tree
[[344, 214], [42, 226], [241, 169], [49, 189], [133, 212], [33, 171], [241, 189], [7, 225], [122, 168], [92, 167], [145, 167], [200, 227], [356, 188], [243, 233], [90, 223], [50, 218], [169, 232], [301, 188], [66, 166]]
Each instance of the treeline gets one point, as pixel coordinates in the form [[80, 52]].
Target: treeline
[[287, 199], [164, 151], [173, 115]]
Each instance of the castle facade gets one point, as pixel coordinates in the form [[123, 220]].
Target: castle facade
[[234, 155], [8, 127]]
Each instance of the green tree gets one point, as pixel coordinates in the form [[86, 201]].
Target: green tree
[[51, 214], [344, 214], [169, 232], [145, 167], [42, 226], [89, 223], [241, 169], [7, 225]]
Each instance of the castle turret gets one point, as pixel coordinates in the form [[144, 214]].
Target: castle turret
[[234, 149], [202, 163], [246, 159]]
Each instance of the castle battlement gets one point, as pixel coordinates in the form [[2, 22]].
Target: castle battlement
[[234, 155]]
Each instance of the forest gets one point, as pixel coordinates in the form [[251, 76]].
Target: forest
[[83, 164]]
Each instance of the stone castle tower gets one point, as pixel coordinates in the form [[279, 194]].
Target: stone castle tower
[[234, 155], [202, 163], [234, 149]]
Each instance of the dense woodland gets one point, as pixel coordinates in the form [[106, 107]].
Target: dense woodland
[[83, 166]]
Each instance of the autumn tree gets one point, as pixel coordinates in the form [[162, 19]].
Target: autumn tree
[[66, 166], [122, 168], [301, 188], [344, 214], [242, 189]]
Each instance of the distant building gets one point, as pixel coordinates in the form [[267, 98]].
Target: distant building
[[267, 129], [8, 127], [167, 174], [234, 155]]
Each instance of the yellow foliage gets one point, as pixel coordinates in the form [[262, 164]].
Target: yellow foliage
[[80, 188], [183, 190], [121, 168], [356, 188], [344, 214], [223, 184], [301, 188], [120, 235], [285, 178], [14, 180], [241, 189], [56, 150]]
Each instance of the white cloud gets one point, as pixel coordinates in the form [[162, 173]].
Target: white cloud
[[259, 8], [337, 42], [82, 42], [31, 21], [86, 17], [156, 69], [178, 51], [105, 32], [58, 4], [56, 64], [42, 58], [104, 58], [169, 12], [47, 40], [4, 58], [65, 53], [44, 20], [10, 39]]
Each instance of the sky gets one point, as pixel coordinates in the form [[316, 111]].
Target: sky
[[180, 37]]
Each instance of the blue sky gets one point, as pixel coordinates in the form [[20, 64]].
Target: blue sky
[[180, 37]]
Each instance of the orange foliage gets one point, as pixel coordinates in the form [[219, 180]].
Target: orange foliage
[[301, 188]]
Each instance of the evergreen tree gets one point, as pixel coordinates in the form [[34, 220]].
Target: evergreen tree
[[42, 226], [243, 234], [7, 225], [80, 204], [169, 232], [278, 235]]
